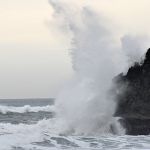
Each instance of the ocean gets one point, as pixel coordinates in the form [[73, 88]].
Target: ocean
[[28, 124]]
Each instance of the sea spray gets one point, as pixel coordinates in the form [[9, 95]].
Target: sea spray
[[86, 104], [134, 47]]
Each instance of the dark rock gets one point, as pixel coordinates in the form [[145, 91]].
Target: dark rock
[[135, 126], [133, 96]]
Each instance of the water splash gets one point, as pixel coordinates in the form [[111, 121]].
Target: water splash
[[85, 104]]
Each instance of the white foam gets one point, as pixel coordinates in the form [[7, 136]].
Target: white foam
[[27, 137], [21, 135], [26, 108]]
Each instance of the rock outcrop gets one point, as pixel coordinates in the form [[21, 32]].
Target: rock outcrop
[[133, 96]]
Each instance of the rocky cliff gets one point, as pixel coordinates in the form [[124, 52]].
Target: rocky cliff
[[133, 96]]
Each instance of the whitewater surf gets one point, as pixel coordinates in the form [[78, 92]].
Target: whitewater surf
[[29, 133]]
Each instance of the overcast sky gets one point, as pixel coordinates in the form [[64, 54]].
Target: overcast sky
[[34, 59]]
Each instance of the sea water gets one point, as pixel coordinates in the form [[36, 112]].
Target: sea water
[[29, 124]]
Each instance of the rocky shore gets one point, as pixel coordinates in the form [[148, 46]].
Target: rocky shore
[[133, 98]]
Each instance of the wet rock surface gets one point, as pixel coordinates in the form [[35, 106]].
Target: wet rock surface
[[133, 96]]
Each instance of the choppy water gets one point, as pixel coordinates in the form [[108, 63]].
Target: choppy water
[[29, 125]]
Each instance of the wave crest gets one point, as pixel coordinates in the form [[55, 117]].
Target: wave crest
[[26, 109]]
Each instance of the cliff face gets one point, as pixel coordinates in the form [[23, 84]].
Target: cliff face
[[133, 96]]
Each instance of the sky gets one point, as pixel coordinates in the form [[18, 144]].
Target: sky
[[33, 61], [34, 55]]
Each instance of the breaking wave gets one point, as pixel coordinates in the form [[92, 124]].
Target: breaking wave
[[98, 55], [26, 109]]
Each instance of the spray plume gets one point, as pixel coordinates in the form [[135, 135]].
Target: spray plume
[[85, 104]]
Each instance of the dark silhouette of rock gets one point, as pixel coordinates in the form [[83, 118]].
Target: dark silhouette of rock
[[133, 96]]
